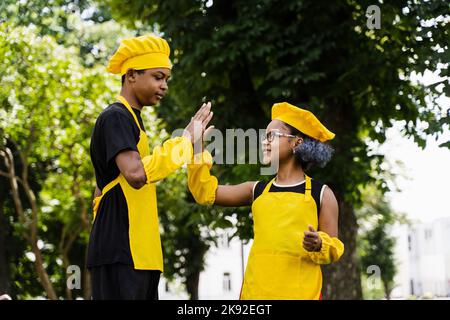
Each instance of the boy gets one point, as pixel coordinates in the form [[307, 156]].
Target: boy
[[124, 252]]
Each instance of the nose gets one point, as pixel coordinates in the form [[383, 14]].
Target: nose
[[164, 85]]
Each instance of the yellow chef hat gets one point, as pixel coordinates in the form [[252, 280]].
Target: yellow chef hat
[[139, 53], [301, 119]]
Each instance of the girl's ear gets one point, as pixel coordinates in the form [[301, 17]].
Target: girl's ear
[[298, 141]]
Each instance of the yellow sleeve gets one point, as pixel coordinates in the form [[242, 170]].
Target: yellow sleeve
[[201, 183], [167, 158], [331, 250]]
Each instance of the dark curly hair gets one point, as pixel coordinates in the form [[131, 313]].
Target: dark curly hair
[[310, 152]]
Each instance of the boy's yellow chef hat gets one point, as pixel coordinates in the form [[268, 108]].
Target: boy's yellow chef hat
[[301, 119], [139, 53]]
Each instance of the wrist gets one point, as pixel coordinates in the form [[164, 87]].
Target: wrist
[[319, 247], [198, 147], [203, 158], [187, 134]]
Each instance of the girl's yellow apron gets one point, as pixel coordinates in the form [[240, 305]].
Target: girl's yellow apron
[[278, 266], [144, 237]]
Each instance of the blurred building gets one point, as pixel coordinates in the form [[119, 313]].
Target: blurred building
[[423, 260]]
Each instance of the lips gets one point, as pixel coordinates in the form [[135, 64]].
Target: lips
[[159, 96]]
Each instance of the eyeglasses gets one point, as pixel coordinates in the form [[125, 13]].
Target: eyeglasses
[[269, 136]]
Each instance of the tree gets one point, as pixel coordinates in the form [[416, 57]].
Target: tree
[[245, 55], [49, 102], [376, 244]]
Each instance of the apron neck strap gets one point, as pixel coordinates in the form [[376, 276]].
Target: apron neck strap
[[307, 187], [267, 188], [127, 105]]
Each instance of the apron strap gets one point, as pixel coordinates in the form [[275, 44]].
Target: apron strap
[[127, 105], [307, 188], [108, 187], [267, 188]]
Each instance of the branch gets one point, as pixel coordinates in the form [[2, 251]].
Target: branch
[[4, 174], [9, 163], [7, 175]]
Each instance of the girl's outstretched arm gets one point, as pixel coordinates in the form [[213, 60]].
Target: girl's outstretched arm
[[235, 195], [206, 189]]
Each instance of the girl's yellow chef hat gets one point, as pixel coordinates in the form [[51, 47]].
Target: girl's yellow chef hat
[[301, 119]]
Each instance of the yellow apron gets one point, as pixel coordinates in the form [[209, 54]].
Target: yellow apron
[[278, 266], [144, 237]]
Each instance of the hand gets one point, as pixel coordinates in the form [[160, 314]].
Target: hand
[[196, 128], [312, 241]]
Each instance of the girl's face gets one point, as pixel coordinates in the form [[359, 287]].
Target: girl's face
[[278, 144]]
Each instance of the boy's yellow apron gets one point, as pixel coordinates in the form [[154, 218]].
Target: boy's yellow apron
[[144, 237], [278, 266]]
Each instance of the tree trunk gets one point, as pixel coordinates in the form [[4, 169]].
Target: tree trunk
[[42, 273], [86, 225], [87, 290], [66, 263], [192, 282], [387, 290], [4, 265], [31, 233], [342, 280]]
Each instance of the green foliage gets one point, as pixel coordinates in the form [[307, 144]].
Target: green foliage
[[49, 104], [376, 245], [372, 289]]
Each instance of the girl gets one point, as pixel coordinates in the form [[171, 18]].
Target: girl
[[284, 261]]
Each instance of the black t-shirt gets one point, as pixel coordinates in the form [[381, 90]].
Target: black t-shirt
[[115, 131]]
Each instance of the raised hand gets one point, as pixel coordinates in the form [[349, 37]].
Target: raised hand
[[197, 126]]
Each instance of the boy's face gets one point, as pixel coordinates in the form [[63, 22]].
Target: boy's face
[[151, 86]]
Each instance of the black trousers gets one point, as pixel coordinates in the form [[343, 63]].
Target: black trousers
[[123, 282]]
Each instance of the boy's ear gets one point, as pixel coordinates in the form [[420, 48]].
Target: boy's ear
[[130, 75]]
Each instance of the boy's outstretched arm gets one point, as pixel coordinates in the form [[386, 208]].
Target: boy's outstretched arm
[[164, 159]]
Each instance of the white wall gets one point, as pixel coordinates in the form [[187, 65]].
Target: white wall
[[427, 263], [229, 257]]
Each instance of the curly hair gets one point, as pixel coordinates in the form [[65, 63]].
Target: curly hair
[[310, 152]]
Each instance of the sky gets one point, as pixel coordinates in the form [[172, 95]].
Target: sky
[[424, 178], [425, 175]]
